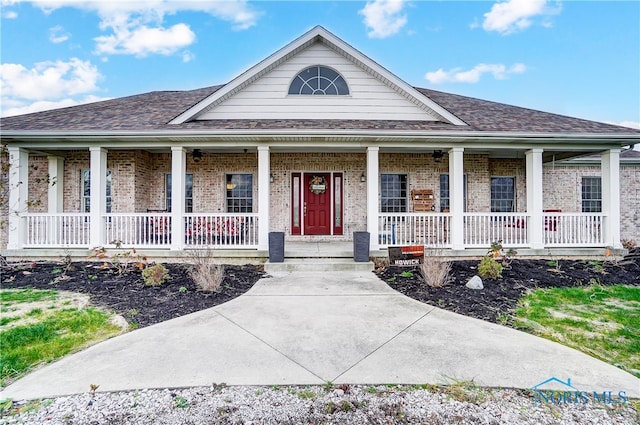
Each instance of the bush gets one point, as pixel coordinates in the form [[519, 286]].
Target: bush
[[206, 274], [435, 271], [489, 268], [155, 274]]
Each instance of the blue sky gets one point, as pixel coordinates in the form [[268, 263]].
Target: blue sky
[[576, 58]]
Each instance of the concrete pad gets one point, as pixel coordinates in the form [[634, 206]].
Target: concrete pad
[[194, 350], [443, 347]]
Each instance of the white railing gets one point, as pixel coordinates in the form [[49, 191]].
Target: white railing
[[137, 230], [57, 230], [431, 229], [221, 230], [573, 229], [482, 229]]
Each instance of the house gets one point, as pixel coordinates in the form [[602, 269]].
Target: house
[[317, 141]]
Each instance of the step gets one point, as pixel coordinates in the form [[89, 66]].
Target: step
[[318, 265]]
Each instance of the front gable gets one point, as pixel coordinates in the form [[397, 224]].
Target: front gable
[[262, 91]]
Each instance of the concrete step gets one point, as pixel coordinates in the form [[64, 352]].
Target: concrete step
[[318, 265]]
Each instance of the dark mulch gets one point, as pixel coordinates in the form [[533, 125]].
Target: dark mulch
[[126, 293], [499, 297]]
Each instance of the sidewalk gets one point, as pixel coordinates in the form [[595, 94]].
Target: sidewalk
[[311, 328]]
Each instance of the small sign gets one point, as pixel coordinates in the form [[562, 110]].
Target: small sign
[[406, 256]]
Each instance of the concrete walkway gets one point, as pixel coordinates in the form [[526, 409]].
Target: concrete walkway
[[310, 328]]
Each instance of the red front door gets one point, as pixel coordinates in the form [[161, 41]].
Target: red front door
[[317, 203]]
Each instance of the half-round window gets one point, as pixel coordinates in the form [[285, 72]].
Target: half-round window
[[319, 80]]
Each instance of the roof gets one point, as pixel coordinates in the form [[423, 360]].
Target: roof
[[155, 110]]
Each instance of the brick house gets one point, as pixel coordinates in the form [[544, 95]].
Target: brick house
[[317, 141]]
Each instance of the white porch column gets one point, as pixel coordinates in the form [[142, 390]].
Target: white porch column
[[178, 171], [373, 169], [264, 190], [610, 161], [56, 184], [534, 198], [18, 196], [98, 195], [456, 197]]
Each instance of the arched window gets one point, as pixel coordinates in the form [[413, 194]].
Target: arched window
[[319, 80]]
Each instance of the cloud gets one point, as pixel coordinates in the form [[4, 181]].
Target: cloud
[[57, 34], [47, 83], [630, 124], [457, 75], [137, 27], [383, 17], [507, 17], [45, 105], [9, 14]]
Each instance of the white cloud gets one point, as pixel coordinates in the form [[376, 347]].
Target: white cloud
[[136, 27], [46, 84], [507, 17], [57, 34], [45, 105], [383, 17], [457, 75], [9, 14], [630, 124]]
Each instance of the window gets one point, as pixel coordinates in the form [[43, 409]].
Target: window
[[86, 191], [591, 194], [188, 192], [319, 80], [503, 194], [444, 192], [393, 193], [239, 193]]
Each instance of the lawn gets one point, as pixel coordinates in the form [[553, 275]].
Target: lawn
[[39, 326], [602, 321]]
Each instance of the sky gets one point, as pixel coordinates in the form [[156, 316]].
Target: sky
[[575, 58]]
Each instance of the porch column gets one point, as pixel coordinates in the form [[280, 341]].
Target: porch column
[[456, 197], [98, 195], [18, 196], [178, 170], [56, 184], [264, 190], [534, 198], [373, 169], [610, 161]]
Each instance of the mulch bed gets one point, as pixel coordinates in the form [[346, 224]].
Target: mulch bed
[[126, 294], [142, 305], [497, 300]]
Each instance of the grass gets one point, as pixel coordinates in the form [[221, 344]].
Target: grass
[[32, 335], [603, 322]]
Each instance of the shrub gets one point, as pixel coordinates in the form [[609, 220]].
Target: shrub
[[206, 274], [489, 268], [628, 244], [155, 274], [435, 271]]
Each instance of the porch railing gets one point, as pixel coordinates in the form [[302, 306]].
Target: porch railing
[[430, 229], [57, 230], [573, 229], [221, 230], [140, 230], [481, 229]]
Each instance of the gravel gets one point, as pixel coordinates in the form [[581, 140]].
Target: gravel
[[328, 404]]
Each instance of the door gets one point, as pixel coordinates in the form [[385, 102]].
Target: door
[[317, 203]]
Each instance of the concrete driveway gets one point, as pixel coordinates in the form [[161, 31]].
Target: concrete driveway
[[311, 328]]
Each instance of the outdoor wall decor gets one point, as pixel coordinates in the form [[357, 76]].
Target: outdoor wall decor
[[318, 185]]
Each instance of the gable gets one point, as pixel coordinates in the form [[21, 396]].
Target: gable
[[368, 98], [379, 92]]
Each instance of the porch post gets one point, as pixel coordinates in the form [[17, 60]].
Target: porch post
[[56, 185], [610, 161], [456, 197], [18, 196], [98, 195], [373, 170], [534, 198], [178, 170], [263, 197]]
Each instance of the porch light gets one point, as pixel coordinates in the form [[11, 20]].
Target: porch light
[[363, 178], [437, 156], [196, 155]]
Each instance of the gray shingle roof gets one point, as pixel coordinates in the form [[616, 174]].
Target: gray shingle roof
[[154, 110]]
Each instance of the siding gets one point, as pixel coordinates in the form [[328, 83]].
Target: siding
[[267, 97]]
